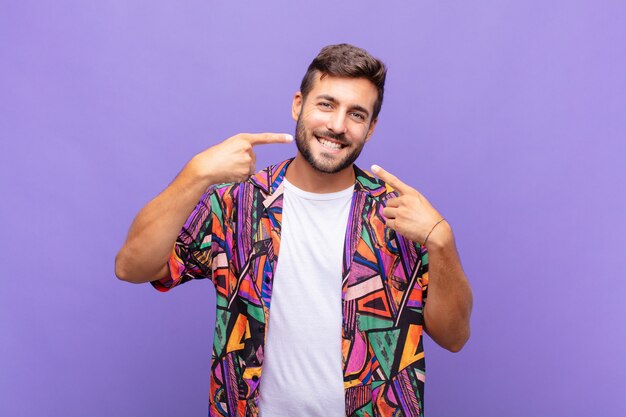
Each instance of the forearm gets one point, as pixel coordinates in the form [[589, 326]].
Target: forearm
[[449, 303], [152, 235]]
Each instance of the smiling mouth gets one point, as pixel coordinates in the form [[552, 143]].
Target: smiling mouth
[[330, 144]]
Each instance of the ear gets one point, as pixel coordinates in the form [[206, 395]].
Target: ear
[[371, 129], [296, 106]]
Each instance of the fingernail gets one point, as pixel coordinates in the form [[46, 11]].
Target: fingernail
[[375, 168], [289, 138]]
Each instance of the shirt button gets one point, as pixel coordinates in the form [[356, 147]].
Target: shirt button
[[261, 328], [255, 378], [267, 280]]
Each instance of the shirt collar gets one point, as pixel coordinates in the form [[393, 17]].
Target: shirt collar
[[270, 181]]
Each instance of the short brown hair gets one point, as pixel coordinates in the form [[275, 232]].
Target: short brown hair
[[345, 60]]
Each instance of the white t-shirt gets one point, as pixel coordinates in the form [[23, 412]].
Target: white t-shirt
[[302, 368]]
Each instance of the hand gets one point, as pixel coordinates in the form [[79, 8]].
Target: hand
[[411, 214], [233, 160]]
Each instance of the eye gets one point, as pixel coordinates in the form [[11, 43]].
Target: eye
[[358, 116], [325, 105]]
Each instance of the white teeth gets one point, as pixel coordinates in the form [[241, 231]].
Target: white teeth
[[329, 144]]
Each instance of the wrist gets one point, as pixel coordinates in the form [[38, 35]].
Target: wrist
[[440, 236], [195, 171]]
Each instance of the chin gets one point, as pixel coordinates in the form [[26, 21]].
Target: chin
[[329, 165], [327, 169]]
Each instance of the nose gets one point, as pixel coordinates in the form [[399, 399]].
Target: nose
[[336, 122]]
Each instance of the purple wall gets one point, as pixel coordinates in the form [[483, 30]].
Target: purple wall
[[509, 116]]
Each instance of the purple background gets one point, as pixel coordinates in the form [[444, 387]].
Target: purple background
[[509, 116]]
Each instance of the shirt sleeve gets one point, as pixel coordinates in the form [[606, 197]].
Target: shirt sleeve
[[416, 254], [192, 254], [422, 254]]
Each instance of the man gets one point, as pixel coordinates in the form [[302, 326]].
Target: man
[[347, 298]]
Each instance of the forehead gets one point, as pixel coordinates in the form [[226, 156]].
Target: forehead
[[348, 91]]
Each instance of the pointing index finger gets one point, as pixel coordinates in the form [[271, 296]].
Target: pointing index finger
[[392, 180], [266, 138]]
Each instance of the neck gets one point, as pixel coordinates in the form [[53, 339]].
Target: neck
[[301, 174]]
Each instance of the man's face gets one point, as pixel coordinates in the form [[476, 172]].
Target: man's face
[[334, 121]]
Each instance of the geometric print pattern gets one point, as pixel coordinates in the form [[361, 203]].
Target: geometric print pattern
[[233, 238]]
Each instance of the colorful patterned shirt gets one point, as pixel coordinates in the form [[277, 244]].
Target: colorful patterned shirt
[[233, 238]]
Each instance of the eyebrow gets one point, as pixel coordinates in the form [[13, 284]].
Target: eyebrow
[[334, 100]]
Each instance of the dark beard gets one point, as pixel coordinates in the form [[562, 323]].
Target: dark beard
[[304, 147]]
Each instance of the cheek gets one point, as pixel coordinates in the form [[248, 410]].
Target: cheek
[[359, 132], [315, 119]]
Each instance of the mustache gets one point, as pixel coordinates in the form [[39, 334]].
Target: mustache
[[339, 137]]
